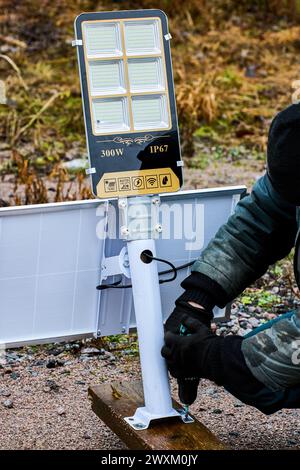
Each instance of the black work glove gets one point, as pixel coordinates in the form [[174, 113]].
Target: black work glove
[[184, 309], [204, 354], [196, 355]]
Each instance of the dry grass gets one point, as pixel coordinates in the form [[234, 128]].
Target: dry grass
[[234, 66]]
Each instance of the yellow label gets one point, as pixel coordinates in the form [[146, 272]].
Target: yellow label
[[133, 183]]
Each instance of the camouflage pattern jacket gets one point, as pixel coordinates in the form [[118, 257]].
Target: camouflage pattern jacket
[[263, 229]]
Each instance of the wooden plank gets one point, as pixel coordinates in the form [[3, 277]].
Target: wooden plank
[[113, 402]]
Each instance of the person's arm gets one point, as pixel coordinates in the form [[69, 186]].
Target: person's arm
[[261, 231]]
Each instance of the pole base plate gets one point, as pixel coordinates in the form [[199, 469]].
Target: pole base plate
[[142, 418], [113, 402]]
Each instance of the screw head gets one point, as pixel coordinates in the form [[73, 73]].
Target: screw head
[[124, 231], [139, 425], [122, 203], [158, 228]]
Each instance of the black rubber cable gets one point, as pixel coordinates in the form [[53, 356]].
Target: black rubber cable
[[174, 269]]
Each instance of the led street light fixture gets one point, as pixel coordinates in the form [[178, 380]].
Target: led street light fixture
[[128, 101]]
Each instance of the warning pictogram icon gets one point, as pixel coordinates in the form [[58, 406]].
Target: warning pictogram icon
[[110, 184], [124, 184], [165, 180], [138, 182], [151, 181]]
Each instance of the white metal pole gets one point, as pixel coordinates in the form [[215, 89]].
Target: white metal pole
[[148, 313]]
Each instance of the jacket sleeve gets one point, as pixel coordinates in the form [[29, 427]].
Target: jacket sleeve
[[272, 352], [261, 231]]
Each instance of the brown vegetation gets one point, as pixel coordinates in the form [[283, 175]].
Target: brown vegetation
[[234, 62]]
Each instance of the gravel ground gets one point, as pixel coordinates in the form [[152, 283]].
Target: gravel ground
[[44, 404]]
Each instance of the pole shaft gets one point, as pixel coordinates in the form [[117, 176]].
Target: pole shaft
[[148, 312]]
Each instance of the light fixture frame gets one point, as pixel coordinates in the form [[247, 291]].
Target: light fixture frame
[[121, 157]]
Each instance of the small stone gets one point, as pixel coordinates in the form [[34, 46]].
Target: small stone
[[235, 329], [217, 411], [233, 434], [87, 435], [15, 375], [92, 351], [254, 322], [61, 411], [238, 404], [39, 363], [80, 382], [241, 332], [72, 347], [5, 393], [8, 404], [212, 391], [269, 316], [55, 352], [247, 331], [243, 315], [52, 385], [52, 363], [84, 358]]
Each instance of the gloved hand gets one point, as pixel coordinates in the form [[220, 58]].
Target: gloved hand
[[220, 359], [184, 309], [193, 355]]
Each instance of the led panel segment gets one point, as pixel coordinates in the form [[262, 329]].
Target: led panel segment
[[146, 74], [106, 77], [111, 114], [142, 37], [102, 39], [150, 112]]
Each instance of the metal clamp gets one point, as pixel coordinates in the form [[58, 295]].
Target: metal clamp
[[116, 265], [76, 42], [139, 217], [90, 171]]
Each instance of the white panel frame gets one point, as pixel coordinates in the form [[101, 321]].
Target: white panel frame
[[50, 260]]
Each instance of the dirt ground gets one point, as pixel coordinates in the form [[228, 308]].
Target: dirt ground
[[50, 409]]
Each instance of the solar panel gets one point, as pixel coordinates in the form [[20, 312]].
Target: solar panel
[[51, 257]]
